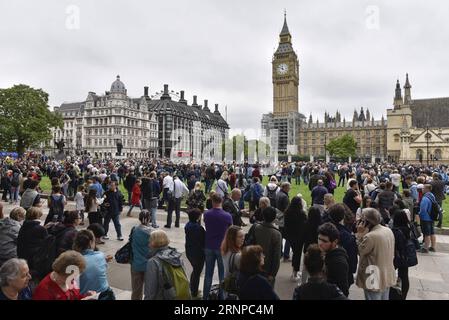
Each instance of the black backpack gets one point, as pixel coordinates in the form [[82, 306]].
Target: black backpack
[[435, 212], [271, 194], [15, 180]]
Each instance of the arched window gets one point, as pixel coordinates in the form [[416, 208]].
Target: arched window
[[437, 154], [419, 154], [396, 137]]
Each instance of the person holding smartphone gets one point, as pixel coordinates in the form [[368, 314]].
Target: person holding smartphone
[[376, 273]]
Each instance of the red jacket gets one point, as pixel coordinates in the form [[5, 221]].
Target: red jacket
[[49, 290], [136, 193]]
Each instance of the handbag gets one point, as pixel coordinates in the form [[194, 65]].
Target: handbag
[[229, 283], [396, 291], [125, 253]]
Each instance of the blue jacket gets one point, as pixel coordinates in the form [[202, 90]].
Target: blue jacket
[[97, 187], [139, 244], [414, 191], [425, 207], [95, 277]]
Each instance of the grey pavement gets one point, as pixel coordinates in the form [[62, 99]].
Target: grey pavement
[[429, 280]]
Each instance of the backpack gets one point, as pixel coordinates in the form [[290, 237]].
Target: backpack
[[230, 283], [15, 180], [405, 255], [176, 285], [373, 194], [57, 206], [272, 196], [250, 237], [435, 212], [332, 185]]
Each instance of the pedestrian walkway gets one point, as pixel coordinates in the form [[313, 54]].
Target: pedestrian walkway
[[429, 280]]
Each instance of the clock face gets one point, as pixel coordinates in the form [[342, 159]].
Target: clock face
[[282, 69]]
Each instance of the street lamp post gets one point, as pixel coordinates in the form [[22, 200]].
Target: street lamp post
[[427, 142], [325, 145]]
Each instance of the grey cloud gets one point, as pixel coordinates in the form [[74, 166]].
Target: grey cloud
[[221, 51]]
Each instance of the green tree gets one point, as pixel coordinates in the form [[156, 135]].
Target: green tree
[[25, 118], [235, 144], [342, 147]]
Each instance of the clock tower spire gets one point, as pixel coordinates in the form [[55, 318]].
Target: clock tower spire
[[285, 73]]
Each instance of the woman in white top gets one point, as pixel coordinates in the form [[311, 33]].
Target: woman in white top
[[222, 185], [92, 206], [370, 186], [79, 203]]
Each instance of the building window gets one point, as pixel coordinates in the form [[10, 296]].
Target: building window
[[396, 138], [437, 154], [419, 154]]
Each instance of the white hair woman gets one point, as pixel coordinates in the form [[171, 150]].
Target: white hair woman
[[161, 257], [14, 279], [222, 185], [9, 231]]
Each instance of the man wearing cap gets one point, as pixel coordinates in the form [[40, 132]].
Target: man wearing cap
[[376, 273]]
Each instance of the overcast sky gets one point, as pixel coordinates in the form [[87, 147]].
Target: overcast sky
[[350, 51]]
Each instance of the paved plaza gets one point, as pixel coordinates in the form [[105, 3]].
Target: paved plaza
[[429, 280]]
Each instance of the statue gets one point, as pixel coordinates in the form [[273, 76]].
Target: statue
[[119, 148], [60, 145]]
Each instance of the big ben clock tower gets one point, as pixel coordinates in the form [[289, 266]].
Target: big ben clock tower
[[285, 75], [285, 120]]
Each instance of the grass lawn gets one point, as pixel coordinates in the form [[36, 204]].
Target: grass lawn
[[302, 188]]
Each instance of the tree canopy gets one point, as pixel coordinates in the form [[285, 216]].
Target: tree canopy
[[235, 146], [342, 147], [25, 118]]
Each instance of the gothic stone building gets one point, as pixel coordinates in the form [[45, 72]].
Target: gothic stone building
[[369, 134], [418, 129]]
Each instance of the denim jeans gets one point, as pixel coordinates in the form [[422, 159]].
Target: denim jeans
[[286, 250], [151, 205], [211, 256], [14, 194], [174, 205], [116, 219], [374, 295]]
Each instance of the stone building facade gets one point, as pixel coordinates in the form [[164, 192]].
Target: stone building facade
[[418, 129], [156, 126], [97, 125], [369, 134]]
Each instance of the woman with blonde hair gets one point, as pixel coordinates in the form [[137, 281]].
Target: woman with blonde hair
[[196, 198], [161, 258], [222, 185]]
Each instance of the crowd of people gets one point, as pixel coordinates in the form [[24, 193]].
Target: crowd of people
[[335, 244]]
